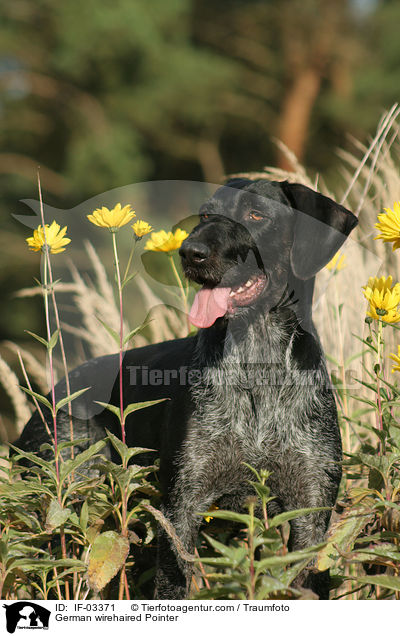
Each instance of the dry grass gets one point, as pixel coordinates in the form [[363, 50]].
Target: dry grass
[[20, 404]]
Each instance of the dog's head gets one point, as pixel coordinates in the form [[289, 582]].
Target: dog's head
[[252, 239]]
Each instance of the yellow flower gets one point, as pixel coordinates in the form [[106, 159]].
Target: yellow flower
[[209, 517], [396, 359], [383, 299], [389, 225], [55, 238], [337, 263], [112, 219], [141, 228], [166, 241]]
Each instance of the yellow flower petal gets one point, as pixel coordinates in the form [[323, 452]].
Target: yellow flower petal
[[141, 228], [163, 241], [211, 509], [396, 358], [337, 263], [389, 225], [383, 299], [112, 219], [52, 236]]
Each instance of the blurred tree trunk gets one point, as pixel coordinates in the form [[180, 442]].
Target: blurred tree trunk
[[313, 38], [210, 161], [285, 54], [296, 114]]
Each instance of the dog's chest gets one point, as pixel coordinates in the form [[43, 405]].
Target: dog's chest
[[256, 403], [256, 406], [250, 411]]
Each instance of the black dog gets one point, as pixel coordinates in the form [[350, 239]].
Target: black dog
[[251, 386]]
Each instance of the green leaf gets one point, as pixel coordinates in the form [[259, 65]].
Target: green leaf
[[342, 533], [79, 441], [69, 398], [38, 396], [56, 516], [353, 357], [377, 552], [262, 490], [232, 591], [285, 559], [107, 556], [233, 553], [20, 489], [269, 585], [34, 335], [123, 450], [135, 331], [289, 574], [384, 580], [292, 514], [28, 565], [70, 465], [78, 566], [3, 551], [127, 279], [229, 515], [114, 334], [370, 345], [141, 405], [332, 359], [35, 459], [110, 407], [365, 400], [382, 464], [394, 388], [53, 340], [84, 516], [218, 562]]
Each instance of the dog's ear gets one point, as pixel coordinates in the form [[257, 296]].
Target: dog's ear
[[321, 227]]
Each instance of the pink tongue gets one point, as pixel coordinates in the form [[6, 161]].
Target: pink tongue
[[208, 305]]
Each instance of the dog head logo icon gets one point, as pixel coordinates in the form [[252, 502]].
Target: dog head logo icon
[[26, 615]]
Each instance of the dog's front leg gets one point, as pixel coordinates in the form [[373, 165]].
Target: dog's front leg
[[306, 531], [317, 490]]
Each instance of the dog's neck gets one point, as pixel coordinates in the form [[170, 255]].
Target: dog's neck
[[278, 337]]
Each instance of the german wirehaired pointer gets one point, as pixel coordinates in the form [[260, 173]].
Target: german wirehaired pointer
[[251, 386]]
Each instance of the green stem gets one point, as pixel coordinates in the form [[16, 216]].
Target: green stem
[[50, 355], [378, 384], [342, 365], [182, 289], [129, 261], [121, 336], [57, 317], [251, 553], [379, 342]]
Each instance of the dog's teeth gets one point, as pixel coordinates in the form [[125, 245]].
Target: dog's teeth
[[249, 283], [232, 293], [239, 290]]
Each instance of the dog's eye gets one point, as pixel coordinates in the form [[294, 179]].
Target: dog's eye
[[204, 217], [254, 215]]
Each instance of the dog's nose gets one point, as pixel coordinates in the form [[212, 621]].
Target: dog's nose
[[194, 252]]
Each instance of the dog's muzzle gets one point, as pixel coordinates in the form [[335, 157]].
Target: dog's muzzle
[[194, 252]]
